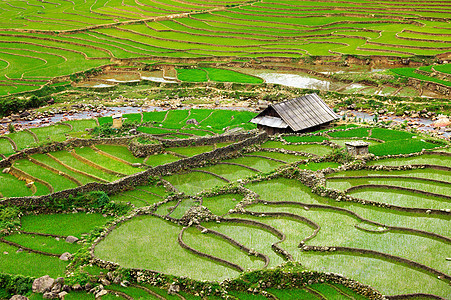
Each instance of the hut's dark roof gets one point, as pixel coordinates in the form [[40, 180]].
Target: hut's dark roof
[[302, 113]]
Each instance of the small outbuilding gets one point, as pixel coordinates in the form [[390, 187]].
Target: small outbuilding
[[357, 148], [303, 114], [117, 120]]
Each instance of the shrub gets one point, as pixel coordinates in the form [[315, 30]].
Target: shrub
[[11, 128], [15, 284], [9, 219], [339, 155]]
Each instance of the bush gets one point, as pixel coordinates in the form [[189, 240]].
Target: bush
[[339, 155], [13, 105], [9, 219], [14, 284]]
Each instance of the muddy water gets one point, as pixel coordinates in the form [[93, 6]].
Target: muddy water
[[298, 81], [120, 77]]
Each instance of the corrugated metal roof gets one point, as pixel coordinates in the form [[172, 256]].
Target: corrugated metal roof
[[304, 112], [270, 121]]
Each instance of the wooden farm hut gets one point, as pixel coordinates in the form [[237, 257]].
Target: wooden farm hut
[[303, 114]]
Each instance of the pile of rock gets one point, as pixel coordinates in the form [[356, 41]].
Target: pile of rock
[[50, 288]]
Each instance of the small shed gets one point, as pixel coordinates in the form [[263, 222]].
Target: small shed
[[117, 120], [303, 114], [356, 148]]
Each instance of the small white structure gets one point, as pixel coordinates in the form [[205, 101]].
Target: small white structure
[[117, 120], [356, 148]]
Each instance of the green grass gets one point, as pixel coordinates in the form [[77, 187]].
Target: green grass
[[356, 132], [154, 116], [400, 147], [410, 72], [10, 186], [253, 237], [43, 243], [106, 162], [390, 135], [51, 133], [303, 139], [292, 294], [134, 292], [175, 118], [229, 172], [445, 68], [222, 75], [420, 173], [261, 164], [340, 228], [22, 139], [191, 151], [400, 198], [59, 183], [419, 184], [220, 205], [320, 150], [192, 75], [154, 130], [161, 159], [131, 118], [54, 164], [289, 158], [105, 120], [29, 264], [283, 189], [81, 125], [68, 159], [218, 247], [182, 207], [319, 166], [151, 243], [6, 148], [120, 152], [194, 182], [431, 159], [63, 224]]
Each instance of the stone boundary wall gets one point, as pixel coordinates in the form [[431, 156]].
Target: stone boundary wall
[[413, 296], [446, 76], [137, 178], [399, 188], [388, 177], [200, 141]]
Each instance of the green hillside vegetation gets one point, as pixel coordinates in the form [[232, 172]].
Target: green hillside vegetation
[[30, 49]]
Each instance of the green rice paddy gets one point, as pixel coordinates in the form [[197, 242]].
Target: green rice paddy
[[319, 150]]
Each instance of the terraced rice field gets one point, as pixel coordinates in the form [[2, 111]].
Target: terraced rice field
[[42, 174], [291, 208], [59, 226], [252, 210], [46, 40]]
